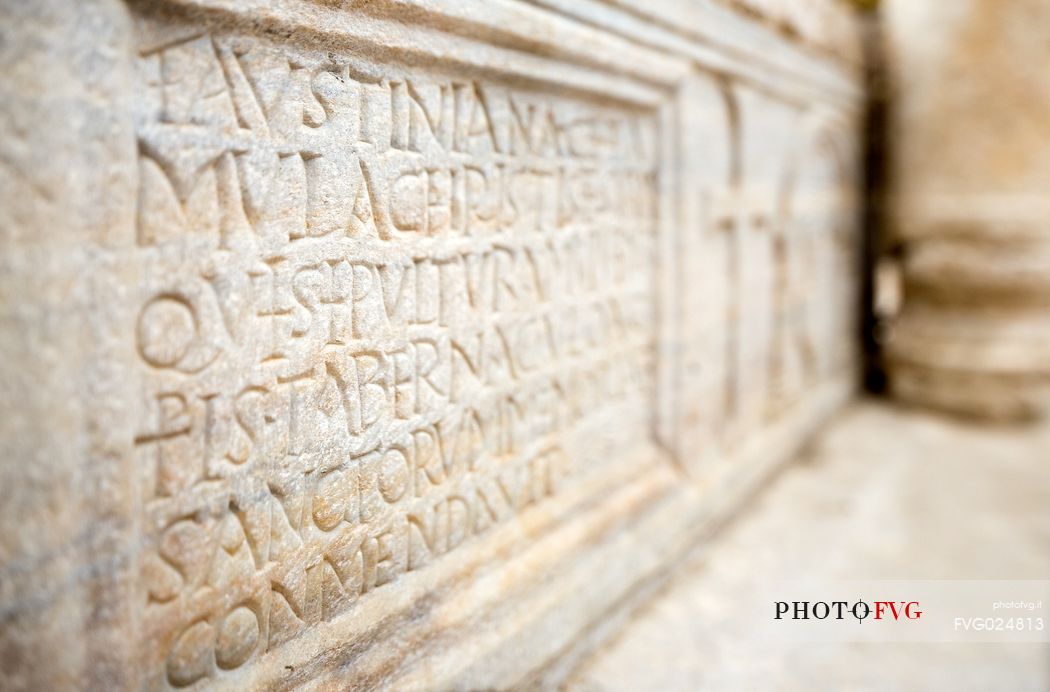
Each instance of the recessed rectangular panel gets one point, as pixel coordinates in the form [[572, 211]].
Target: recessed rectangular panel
[[383, 308]]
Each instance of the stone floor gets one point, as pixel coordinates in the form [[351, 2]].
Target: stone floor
[[883, 493]]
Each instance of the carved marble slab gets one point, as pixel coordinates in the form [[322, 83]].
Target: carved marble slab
[[400, 343]]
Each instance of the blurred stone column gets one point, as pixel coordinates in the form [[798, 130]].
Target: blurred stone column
[[970, 190]]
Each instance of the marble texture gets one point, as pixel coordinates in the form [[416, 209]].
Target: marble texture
[[395, 344]]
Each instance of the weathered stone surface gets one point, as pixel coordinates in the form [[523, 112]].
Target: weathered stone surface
[[969, 144], [395, 344]]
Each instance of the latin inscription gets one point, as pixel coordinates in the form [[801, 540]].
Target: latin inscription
[[382, 310]]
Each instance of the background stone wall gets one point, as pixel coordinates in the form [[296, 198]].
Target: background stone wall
[[968, 139]]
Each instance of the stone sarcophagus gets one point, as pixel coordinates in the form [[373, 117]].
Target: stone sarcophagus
[[400, 343]]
